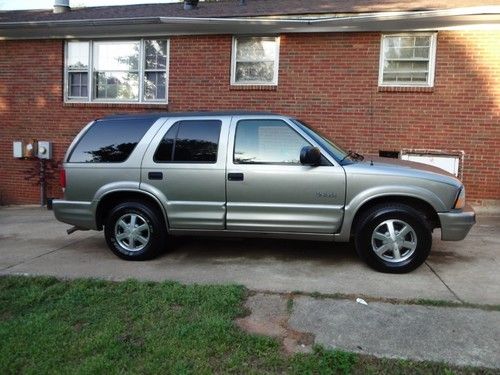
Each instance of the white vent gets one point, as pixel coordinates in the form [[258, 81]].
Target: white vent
[[450, 161]]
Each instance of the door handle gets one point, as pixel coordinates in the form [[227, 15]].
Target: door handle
[[235, 177], [155, 176]]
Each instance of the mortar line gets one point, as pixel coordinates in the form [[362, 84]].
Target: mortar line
[[446, 285], [47, 253]]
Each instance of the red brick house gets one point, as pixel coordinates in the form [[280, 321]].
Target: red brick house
[[392, 77]]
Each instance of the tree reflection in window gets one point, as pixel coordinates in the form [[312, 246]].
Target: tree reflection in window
[[112, 153], [110, 140], [190, 142]]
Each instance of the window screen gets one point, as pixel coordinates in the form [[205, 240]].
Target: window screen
[[78, 65], [407, 60], [192, 141], [110, 141], [255, 60], [267, 141]]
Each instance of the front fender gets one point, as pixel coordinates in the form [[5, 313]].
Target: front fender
[[352, 207]]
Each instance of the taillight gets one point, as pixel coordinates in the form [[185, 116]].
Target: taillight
[[62, 178]]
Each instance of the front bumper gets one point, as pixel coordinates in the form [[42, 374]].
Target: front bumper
[[456, 224], [79, 214]]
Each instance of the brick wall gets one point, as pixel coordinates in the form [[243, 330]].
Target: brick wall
[[328, 80]]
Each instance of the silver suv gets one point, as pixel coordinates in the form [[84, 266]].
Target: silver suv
[[144, 178]]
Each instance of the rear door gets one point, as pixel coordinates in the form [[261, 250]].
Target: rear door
[[185, 164], [269, 190]]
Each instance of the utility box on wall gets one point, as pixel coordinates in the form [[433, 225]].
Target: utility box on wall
[[44, 150], [18, 148], [32, 149]]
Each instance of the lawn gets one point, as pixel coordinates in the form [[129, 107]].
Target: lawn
[[50, 326]]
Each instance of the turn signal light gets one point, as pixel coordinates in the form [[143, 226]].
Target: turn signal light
[[460, 203]]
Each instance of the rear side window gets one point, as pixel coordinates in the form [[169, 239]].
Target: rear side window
[[191, 141], [110, 141]]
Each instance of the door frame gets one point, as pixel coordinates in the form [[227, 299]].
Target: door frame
[[148, 164], [232, 167]]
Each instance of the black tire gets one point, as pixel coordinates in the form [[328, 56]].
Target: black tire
[[399, 259], [147, 217]]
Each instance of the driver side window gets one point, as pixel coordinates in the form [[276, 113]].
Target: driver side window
[[267, 142]]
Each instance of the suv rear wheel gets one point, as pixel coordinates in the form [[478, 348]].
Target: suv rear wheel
[[135, 231], [393, 238]]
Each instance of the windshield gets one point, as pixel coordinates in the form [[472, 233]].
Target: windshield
[[334, 150]]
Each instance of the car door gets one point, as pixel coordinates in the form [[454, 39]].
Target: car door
[[185, 164], [269, 190]]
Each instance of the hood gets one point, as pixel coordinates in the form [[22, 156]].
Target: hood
[[381, 161], [389, 166]]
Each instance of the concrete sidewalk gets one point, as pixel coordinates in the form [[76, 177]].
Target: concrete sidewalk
[[459, 336], [33, 242]]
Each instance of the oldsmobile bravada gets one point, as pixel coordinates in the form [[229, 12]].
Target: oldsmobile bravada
[[145, 178]]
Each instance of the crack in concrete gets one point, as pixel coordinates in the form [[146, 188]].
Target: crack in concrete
[[268, 315], [2, 270], [446, 285]]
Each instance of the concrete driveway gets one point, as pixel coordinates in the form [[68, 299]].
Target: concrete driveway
[[33, 242]]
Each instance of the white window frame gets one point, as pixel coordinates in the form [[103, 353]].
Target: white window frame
[[91, 70], [67, 72], [432, 61], [275, 67]]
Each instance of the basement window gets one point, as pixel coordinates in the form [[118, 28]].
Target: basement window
[[254, 60], [132, 71], [407, 60]]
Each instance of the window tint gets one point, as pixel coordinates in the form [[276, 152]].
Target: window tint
[[110, 141], [190, 142], [267, 141], [165, 151]]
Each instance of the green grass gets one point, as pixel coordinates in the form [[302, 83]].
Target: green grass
[[48, 326], [289, 305]]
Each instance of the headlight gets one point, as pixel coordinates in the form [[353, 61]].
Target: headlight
[[460, 202]]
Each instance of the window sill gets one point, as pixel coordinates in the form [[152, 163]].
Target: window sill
[[405, 89], [115, 105], [253, 87]]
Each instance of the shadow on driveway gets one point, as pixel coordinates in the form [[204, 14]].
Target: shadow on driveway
[[33, 242]]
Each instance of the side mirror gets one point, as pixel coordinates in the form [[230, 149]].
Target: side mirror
[[310, 156]]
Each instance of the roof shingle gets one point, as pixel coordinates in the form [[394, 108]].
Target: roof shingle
[[232, 8]]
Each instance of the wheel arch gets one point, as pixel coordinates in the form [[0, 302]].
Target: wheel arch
[[112, 198], [417, 203]]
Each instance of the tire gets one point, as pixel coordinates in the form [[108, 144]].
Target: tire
[[144, 240], [400, 249]]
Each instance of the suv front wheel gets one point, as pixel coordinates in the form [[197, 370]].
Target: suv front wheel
[[393, 238], [135, 231]]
